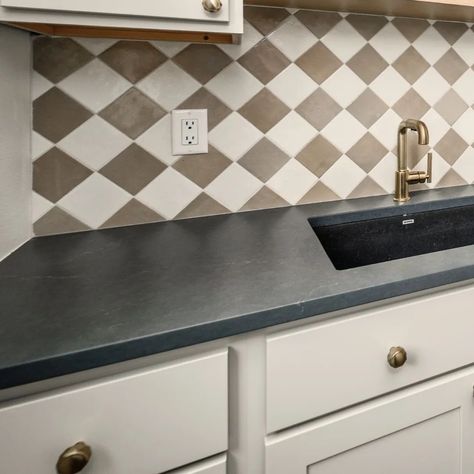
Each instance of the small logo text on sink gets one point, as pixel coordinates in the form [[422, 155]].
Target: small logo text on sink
[[408, 221]]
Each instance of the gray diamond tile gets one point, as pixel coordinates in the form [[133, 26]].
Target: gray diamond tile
[[367, 64], [57, 221], [451, 66], [319, 193], [367, 25], [134, 212], [319, 63], [319, 109], [368, 187], [450, 106], [451, 178], [367, 152], [451, 146], [411, 105], [319, 155], [265, 19], [265, 198], [203, 205], [410, 28], [318, 22], [368, 108], [411, 65], [451, 31]]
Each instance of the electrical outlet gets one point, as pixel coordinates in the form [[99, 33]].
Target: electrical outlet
[[189, 131]]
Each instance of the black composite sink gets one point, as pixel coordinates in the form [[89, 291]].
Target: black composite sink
[[363, 241]]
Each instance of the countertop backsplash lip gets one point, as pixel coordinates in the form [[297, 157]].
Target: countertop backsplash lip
[[316, 98]]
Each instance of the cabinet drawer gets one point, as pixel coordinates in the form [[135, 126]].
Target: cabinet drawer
[[143, 423], [217, 465], [331, 365]]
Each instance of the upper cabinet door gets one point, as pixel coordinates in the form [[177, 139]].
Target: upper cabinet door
[[172, 9]]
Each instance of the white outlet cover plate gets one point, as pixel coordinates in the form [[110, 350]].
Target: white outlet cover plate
[[177, 116]]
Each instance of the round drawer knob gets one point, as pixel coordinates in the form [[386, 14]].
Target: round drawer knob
[[212, 5], [397, 356], [74, 459]]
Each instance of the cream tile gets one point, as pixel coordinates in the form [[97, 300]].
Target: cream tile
[[390, 86], [463, 46], [344, 131], [464, 86], [464, 126], [169, 48], [39, 145], [344, 40], [39, 85], [40, 206], [384, 172], [249, 39], [385, 129], [431, 86], [344, 86], [389, 43], [464, 166], [436, 124], [343, 176], [431, 45]]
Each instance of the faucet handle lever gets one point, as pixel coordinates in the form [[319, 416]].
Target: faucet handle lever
[[429, 171]]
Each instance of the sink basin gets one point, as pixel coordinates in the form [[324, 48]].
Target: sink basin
[[356, 240]]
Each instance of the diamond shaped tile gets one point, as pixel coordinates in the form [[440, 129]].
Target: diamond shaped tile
[[265, 19], [94, 143], [203, 99], [383, 129], [367, 64], [450, 106], [344, 41], [202, 61], [57, 58], [82, 202], [410, 28], [440, 168], [451, 146], [39, 206], [318, 22], [133, 169], [39, 145], [203, 168], [169, 48], [437, 126], [133, 113], [319, 155], [264, 110], [411, 65], [56, 221], [234, 187], [55, 115], [389, 43], [55, 174], [343, 176], [390, 86], [168, 85], [169, 193], [368, 108], [263, 199], [367, 152], [368, 187], [249, 39], [264, 61], [451, 31], [132, 213], [39, 85], [411, 105], [319, 63], [234, 86], [464, 126], [367, 25], [463, 86], [95, 45], [292, 39], [234, 136], [203, 205], [464, 166], [431, 45], [451, 178], [319, 193], [344, 131], [319, 109], [156, 141], [383, 173], [344, 86], [133, 59], [95, 85], [292, 181], [431, 86], [263, 160], [463, 46], [451, 66]]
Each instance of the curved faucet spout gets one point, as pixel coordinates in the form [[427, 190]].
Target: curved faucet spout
[[417, 126]]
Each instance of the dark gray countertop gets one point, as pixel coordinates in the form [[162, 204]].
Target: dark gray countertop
[[79, 301]]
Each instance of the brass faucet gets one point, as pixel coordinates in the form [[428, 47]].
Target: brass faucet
[[403, 176]]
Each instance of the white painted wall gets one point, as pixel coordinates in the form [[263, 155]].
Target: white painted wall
[[15, 133]]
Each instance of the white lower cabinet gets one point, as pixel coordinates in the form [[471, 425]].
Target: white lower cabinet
[[428, 429]]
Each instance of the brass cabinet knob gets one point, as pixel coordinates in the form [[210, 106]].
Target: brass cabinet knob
[[397, 356], [212, 5], [74, 459]]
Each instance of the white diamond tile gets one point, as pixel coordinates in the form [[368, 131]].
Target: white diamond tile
[[234, 136], [383, 173], [431, 86], [344, 131], [464, 86], [431, 45], [390, 86], [169, 193], [157, 141], [343, 176], [39, 206], [95, 85], [292, 181], [249, 39], [94, 143], [94, 201], [440, 168], [39, 145], [292, 133], [95, 46], [389, 43], [169, 48], [234, 187], [292, 86], [168, 85], [385, 129], [436, 124], [39, 85], [464, 165], [234, 85], [292, 38], [464, 126], [344, 86], [344, 41], [463, 46]]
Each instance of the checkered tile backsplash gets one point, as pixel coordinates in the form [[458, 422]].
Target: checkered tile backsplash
[[305, 110]]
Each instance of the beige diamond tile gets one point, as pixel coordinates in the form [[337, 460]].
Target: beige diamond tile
[[463, 86], [263, 160], [133, 169], [39, 206], [367, 25], [389, 43], [57, 221], [55, 174], [384, 172], [431, 86], [318, 22], [463, 46], [411, 65], [133, 59], [203, 168], [264, 199], [344, 41], [264, 110], [367, 152], [343, 176], [390, 86], [319, 193], [436, 124], [383, 129], [265, 19], [464, 126], [39, 85], [368, 187], [133, 113], [319, 109], [319, 155], [431, 45], [156, 141], [202, 61], [39, 145], [410, 28], [451, 31], [344, 86], [451, 178], [368, 108], [464, 166], [264, 61], [203, 205], [55, 115], [319, 63], [451, 146], [451, 66], [169, 48], [57, 58], [344, 131], [132, 213], [367, 64], [411, 105], [450, 107]]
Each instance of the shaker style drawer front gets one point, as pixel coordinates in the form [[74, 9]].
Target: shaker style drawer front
[[332, 365], [194, 10], [143, 423], [216, 465]]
